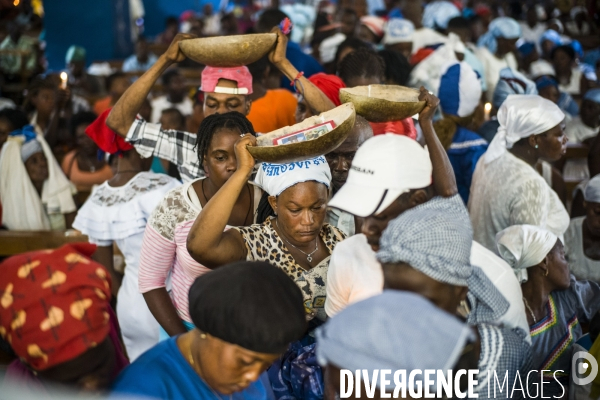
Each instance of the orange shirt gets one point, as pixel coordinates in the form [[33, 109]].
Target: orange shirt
[[84, 180], [274, 110], [102, 105]]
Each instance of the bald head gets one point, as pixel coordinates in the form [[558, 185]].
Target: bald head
[[340, 159]]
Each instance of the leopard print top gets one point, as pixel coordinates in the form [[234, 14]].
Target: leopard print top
[[264, 244]]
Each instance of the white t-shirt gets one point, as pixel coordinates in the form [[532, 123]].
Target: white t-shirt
[[355, 274], [161, 103]]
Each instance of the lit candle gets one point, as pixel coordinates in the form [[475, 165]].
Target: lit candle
[[63, 80], [487, 108]]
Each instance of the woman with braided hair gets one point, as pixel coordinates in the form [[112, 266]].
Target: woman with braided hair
[[164, 251]]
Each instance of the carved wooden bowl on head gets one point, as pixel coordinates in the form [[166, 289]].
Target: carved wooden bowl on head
[[319, 135]]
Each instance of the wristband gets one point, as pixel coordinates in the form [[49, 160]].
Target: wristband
[[293, 82]]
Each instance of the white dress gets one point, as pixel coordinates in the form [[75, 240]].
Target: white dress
[[119, 214], [583, 267], [508, 191]]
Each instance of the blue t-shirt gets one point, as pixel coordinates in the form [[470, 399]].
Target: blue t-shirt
[[163, 373], [464, 152]]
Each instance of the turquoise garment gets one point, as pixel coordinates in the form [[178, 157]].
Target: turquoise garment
[[158, 167], [163, 335], [164, 373]]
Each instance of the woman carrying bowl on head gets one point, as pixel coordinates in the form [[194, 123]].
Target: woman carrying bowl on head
[[292, 237]]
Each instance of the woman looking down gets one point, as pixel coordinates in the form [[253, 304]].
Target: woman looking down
[[293, 237]]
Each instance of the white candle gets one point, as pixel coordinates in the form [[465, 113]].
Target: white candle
[[63, 80], [487, 108]]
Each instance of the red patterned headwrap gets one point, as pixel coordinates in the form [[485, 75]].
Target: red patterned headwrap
[[106, 139], [54, 304], [330, 85]]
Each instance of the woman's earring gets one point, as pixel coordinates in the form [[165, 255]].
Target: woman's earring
[[546, 274], [463, 309], [536, 146], [203, 336]]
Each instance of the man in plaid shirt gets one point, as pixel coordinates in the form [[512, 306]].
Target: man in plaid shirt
[[225, 90]]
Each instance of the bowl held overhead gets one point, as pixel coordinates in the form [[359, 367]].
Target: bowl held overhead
[[383, 103], [315, 136], [228, 51]]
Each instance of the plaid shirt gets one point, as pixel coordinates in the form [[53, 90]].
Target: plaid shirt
[[171, 145]]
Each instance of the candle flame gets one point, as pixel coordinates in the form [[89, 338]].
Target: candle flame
[[63, 76], [488, 107], [16, 2]]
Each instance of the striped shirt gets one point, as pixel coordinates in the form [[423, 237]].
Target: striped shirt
[[164, 248]]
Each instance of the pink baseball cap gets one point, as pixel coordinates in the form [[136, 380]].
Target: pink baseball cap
[[241, 75]]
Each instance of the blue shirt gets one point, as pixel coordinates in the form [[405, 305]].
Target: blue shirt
[[163, 373], [302, 62], [132, 64], [464, 152]]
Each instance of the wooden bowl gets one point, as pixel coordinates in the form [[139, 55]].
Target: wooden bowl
[[343, 117], [383, 103], [228, 51]]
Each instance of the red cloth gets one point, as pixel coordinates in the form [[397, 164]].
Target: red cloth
[[106, 139], [404, 127], [330, 85], [420, 55], [54, 304]]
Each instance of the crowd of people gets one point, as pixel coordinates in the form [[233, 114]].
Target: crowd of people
[[464, 237]]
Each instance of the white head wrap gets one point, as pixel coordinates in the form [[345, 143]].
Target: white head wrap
[[523, 246], [275, 178], [23, 209], [521, 116], [29, 148], [398, 30], [591, 193]]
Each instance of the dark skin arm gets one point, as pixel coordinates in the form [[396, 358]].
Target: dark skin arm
[[444, 181], [125, 110], [69, 218], [207, 243], [315, 98], [162, 308], [104, 255]]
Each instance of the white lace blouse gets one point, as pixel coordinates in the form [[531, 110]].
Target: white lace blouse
[[507, 192], [119, 214]]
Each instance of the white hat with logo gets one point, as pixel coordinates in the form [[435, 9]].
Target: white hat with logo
[[383, 168]]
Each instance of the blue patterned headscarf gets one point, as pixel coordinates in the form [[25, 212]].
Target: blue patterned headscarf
[[552, 36], [435, 238], [437, 14], [359, 336], [511, 82], [503, 27]]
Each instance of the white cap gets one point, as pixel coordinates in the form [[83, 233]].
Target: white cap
[[383, 168], [540, 68]]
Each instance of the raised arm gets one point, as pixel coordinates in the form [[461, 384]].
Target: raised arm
[[124, 112], [315, 98], [207, 242], [444, 181]]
